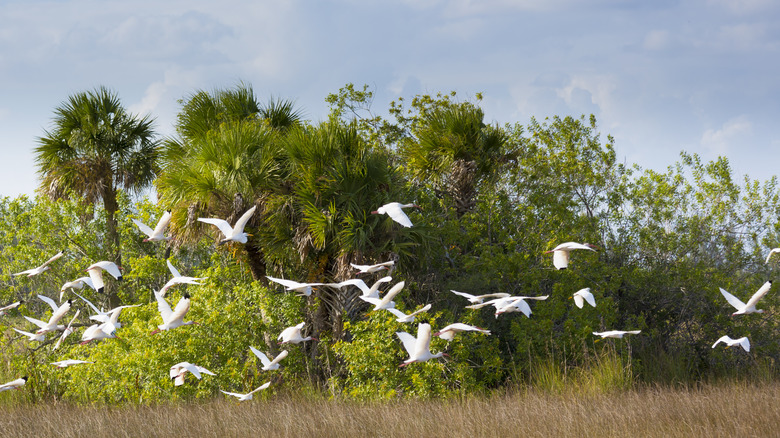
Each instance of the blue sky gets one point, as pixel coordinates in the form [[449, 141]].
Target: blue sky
[[661, 76]]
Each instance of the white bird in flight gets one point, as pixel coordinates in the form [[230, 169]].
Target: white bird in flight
[[268, 364], [69, 362], [396, 212], [583, 295], [172, 318], [235, 233], [561, 253], [370, 269], [247, 396], [178, 278], [750, 306], [448, 333], [303, 289], [292, 335], [402, 317], [419, 348], [96, 273], [477, 299], [509, 304], [76, 284], [42, 268], [372, 291], [4, 310], [40, 337], [14, 384], [179, 371], [386, 301], [616, 333], [158, 233], [101, 316], [742, 342], [57, 313], [96, 332]]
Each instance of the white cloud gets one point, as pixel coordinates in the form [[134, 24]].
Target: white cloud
[[720, 141]]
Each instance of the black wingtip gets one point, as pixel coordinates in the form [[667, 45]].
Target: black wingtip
[[186, 295], [119, 278], [24, 378], [100, 290]]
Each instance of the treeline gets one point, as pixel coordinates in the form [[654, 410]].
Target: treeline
[[492, 200]]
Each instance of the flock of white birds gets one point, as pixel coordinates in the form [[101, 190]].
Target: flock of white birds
[[417, 347]]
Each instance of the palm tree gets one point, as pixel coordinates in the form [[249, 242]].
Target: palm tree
[[456, 151], [225, 159], [96, 148]]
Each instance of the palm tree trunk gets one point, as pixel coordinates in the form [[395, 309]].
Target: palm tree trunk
[[114, 254]]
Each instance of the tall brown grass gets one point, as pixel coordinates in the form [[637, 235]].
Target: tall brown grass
[[707, 411]]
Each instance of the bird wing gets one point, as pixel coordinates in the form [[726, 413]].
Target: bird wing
[[61, 311], [578, 300], [745, 343], [522, 306], [763, 290], [560, 259], [90, 304], [360, 284], [279, 357], [54, 257], [162, 306], [260, 355], [241, 222], [204, 370], [261, 387], [395, 290], [96, 276], [10, 306], [174, 271], [724, 339], [222, 224], [162, 224], [49, 301], [590, 299], [234, 394], [375, 301], [32, 336], [397, 214], [375, 286], [734, 301], [423, 344], [408, 341], [181, 309], [37, 322], [633, 332], [425, 308], [773, 251], [398, 313], [463, 294], [144, 228], [111, 268], [289, 284]]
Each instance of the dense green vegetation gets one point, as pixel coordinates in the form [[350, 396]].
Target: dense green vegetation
[[493, 199]]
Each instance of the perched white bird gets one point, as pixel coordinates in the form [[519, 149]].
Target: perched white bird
[[76, 284], [370, 269], [96, 332], [448, 333], [269, 365], [750, 307], [402, 317], [419, 348], [386, 301], [4, 310], [772, 251], [561, 252], [616, 333], [583, 295], [247, 396], [14, 384], [178, 278], [96, 273], [396, 212], [179, 371], [304, 289], [57, 313], [235, 233], [172, 318], [40, 337], [43, 267], [372, 291], [477, 299], [68, 330], [68, 362], [158, 233], [742, 342], [292, 335]]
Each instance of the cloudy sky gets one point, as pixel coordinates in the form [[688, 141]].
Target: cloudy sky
[[661, 76]]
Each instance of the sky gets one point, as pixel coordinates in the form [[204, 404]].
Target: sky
[[661, 76]]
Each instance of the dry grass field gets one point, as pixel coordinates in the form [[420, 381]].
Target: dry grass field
[[709, 411]]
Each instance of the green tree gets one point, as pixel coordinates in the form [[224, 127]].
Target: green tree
[[95, 148]]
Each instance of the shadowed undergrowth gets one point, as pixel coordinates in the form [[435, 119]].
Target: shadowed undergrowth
[[709, 410]]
